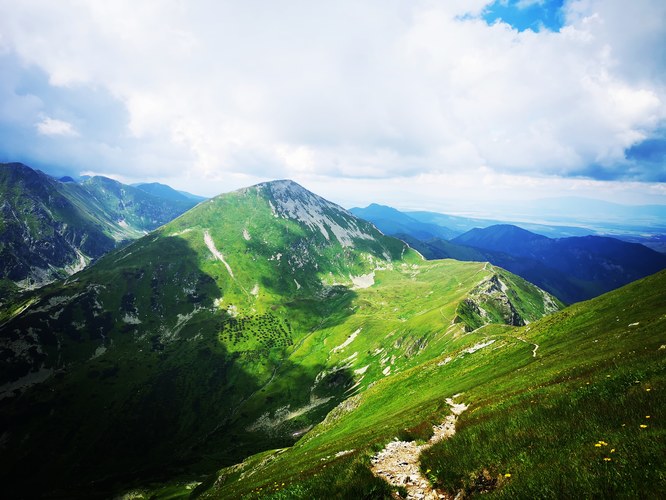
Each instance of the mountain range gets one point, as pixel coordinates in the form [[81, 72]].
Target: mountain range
[[444, 226], [269, 343], [571, 268], [232, 329], [50, 229]]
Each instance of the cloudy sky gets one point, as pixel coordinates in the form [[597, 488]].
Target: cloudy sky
[[416, 104]]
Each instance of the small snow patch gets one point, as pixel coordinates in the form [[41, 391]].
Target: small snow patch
[[349, 340], [478, 346], [98, 352], [131, 319], [361, 371], [445, 361], [387, 371], [363, 281], [208, 240]]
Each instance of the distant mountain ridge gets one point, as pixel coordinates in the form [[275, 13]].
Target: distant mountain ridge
[[423, 224], [167, 192], [391, 221], [572, 269], [50, 229]]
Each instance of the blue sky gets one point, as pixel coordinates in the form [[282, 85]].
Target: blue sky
[[416, 104], [535, 15]]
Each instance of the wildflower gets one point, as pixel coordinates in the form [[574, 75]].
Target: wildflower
[[598, 445], [427, 471], [647, 416], [507, 475], [643, 426], [648, 389], [612, 450], [607, 459]]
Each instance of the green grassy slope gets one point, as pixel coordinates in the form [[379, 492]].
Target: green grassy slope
[[581, 415], [231, 330]]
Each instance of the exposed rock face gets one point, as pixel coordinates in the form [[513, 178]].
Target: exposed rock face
[[493, 301], [294, 202]]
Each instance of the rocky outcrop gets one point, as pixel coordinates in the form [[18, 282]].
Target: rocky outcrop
[[495, 301]]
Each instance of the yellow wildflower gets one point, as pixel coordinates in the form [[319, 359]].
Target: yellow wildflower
[[648, 389], [647, 416], [507, 475], [643, 426], [612, 450], [598, 445], [607, 459]]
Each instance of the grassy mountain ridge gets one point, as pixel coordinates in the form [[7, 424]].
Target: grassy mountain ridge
[[232, 329], [569, 405]]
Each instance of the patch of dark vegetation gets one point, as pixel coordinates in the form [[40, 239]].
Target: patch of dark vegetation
[[264, 331]]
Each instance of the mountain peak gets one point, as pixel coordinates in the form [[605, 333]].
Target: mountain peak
[[290, 200], [498, 233], [286, 188]]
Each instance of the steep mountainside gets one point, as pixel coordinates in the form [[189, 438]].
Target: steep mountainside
[[50, 229], [567, 407], [391, 221], [233, 329]]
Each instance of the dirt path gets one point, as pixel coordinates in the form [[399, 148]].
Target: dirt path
[[398, 463], [536, 346]]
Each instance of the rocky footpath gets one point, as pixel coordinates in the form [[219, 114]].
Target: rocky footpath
[[398, 462]]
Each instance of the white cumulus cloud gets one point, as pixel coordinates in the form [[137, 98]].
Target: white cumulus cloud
[[52, 126], [373, 89]]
